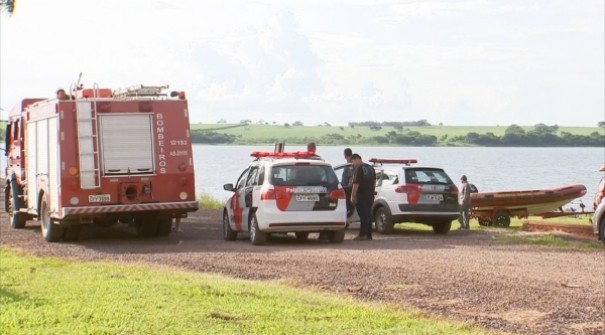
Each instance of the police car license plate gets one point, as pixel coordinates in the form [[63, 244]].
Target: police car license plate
[[307, 197], [99, 198], [434, 197]]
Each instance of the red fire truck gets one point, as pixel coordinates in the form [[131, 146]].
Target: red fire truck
[[100, 156]]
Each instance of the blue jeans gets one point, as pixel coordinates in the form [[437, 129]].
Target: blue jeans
[[365, 219], [464, 213]]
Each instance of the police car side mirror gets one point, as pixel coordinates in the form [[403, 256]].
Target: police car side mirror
[[228, 187]]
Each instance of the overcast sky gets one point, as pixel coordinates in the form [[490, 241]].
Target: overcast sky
[[458, 62]]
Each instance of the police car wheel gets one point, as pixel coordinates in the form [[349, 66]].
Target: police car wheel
[[383, 220], [228, 233], [301, 236], [442, 227], [602, 230], [337, 236], [257, 237]]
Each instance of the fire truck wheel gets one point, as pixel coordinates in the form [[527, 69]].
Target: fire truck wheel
[[105, 222], [17, 219], [146, 226], [71, 233], [164, 226], [51, 231]]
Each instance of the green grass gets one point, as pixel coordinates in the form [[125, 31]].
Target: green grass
[[549, 240], [316, 132], [206, 201], [580, 219], [42, 295]]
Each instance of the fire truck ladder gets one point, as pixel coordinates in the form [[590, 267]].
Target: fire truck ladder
[[90, 176]]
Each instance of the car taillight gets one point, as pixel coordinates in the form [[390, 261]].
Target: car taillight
[[411, 190], [338, 193], [271, 194], [454, 189], [268, 195]]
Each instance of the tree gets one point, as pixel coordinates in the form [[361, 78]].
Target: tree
[[514, 129], [541, 128], [601, 124], [297, 124], [7, 6]]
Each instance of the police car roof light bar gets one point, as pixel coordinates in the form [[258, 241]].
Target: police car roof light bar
[[283, 154], [393, 161]]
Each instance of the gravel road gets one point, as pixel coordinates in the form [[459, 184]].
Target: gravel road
[[466, 276]]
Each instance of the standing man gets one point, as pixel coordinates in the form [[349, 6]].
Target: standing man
[[347, 171], [345, 181], [362, 195], [312, 148], [465, 203]]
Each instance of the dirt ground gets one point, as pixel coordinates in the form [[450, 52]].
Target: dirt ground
[[467, 276]]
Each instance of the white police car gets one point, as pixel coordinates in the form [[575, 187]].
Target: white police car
[[406, 193], [283, 192]]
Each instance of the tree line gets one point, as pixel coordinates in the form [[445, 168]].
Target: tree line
[[514, 136]]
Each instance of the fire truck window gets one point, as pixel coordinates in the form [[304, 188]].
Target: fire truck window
[[7, 139]]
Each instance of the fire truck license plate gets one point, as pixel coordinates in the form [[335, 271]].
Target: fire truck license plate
[[307, 197], [99, 198]]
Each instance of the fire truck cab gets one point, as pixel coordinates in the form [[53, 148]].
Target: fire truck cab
[[100, 156]]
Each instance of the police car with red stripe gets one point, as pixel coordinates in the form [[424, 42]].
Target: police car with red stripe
[[407, 193], [286, 192]]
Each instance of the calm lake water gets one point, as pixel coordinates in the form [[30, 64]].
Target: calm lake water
[[490, 169]]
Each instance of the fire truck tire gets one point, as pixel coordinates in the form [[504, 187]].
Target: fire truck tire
[[146, 226], [71, 233], [164, 226], [228, 233], [17, 219], [50, 231], [257, 237], [105, 222]]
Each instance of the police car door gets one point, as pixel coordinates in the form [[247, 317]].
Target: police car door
[[237, 204], [251, 184]]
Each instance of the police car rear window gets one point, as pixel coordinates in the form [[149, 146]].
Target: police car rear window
[[427, 176], [299, 175]]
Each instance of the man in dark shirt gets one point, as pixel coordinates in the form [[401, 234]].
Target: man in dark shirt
[[347, 175], [362, 195]]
